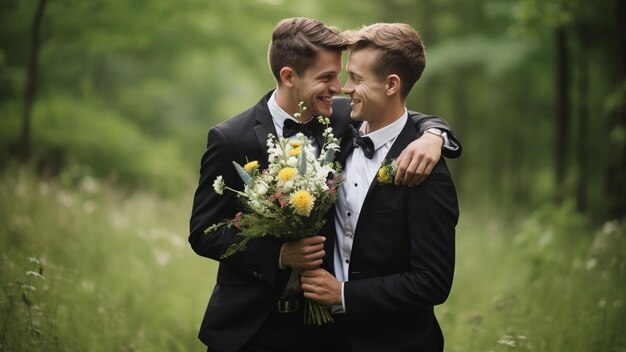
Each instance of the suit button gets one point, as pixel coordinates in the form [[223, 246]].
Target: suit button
[[347, 261]]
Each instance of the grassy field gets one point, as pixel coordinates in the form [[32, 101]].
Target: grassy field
[[86, 266]]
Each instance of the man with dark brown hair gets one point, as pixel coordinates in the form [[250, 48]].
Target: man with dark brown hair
[[393, 257], [250, 308]]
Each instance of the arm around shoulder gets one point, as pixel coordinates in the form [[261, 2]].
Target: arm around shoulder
[[424, 122]]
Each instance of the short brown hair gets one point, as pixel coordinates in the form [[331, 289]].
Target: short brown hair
[[296, 42], [402, 51]]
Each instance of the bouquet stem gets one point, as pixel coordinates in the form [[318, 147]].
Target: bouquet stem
[[315, 313]]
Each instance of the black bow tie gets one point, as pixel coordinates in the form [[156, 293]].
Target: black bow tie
[[309, 129], [364, 143]]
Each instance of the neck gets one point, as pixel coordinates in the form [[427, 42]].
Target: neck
[[393, 112], [288, 101]]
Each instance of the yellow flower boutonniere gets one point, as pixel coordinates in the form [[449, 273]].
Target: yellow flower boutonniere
[[387, 172]]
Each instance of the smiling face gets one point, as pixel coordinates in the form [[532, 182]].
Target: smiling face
[[367, 90], [319, 83]]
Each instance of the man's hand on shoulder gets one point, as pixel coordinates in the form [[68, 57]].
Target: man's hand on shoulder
[[418, 159]]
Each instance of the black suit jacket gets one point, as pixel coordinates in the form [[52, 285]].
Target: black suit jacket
[[402, 262], [248, 283]]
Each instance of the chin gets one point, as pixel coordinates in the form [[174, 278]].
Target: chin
[[324, 112], [355, 117]]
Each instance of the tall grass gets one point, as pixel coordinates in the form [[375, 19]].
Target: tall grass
[[116, 271], [86, 266], [549, 282]]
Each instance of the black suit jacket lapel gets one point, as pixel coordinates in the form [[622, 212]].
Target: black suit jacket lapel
[[263, 125], [406, 136]]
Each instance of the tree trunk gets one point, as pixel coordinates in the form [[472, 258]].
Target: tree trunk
[[562, 111], [616, 168], [427, 36], [583, 125], [459, 98], [31, 80]]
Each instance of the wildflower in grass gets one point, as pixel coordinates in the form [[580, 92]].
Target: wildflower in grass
[[507, 340]]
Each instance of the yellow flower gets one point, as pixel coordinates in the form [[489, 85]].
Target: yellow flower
[[383, 177], [295, 144], [295, 151], [287, 173], [387, 172], [302, 202], [251, 165]]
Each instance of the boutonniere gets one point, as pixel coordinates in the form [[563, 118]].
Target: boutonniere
[[387, 172]]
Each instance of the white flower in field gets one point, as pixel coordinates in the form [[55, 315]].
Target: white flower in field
[[65, 199], [176, 241], [507, 340], [610, 226], [89, 185], [35, 274], [87, 286], [218, 185], [29, 287], [161, 257], [591, 263]]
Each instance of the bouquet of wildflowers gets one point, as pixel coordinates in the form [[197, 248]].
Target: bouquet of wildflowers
[[289, 199]]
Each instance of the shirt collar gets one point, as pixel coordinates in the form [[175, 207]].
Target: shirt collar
[[388, 133]]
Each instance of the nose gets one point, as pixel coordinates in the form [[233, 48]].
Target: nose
[[347, 88]]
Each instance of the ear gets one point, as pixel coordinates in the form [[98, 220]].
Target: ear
[[287, 75], [392, 84]]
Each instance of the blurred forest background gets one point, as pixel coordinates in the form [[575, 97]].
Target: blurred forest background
[[104, 110]]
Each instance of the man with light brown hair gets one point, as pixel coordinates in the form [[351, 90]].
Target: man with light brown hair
[[252, 307], [393, 258]]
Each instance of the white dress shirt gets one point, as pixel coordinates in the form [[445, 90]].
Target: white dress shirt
[[359, 172]]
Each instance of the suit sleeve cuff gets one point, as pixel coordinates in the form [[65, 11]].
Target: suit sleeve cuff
[[339, 308]]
